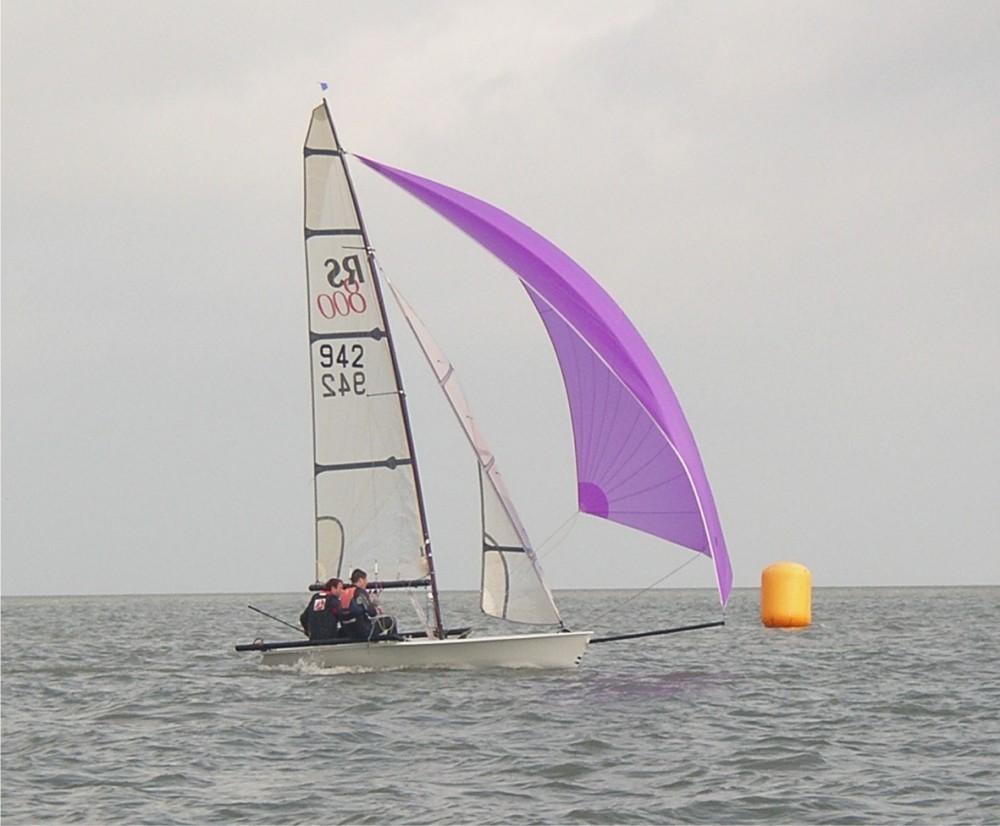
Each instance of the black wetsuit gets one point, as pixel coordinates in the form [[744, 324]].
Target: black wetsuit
[[321, 616], [358, 614]]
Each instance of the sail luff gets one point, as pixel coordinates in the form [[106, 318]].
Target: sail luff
[[595, 319]]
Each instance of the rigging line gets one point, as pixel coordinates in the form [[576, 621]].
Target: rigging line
[[276, 619], [643, 591], [657, 633], [550, 543], [421, 615]]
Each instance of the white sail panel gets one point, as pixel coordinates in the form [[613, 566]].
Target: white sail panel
[[513, 587], [342, 294], [367, 508], [355, 403], [329, 547], [376, 512], [327, 204], [501, 527], [511, 575], [320, 135]]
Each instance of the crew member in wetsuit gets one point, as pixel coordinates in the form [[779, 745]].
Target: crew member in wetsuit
[[360, 618], [322, 614]]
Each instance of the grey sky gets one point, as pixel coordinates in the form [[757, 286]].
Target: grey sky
[[798, 204]]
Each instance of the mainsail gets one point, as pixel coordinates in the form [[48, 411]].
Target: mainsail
[[368, 505], [513, 587], [637, 462]]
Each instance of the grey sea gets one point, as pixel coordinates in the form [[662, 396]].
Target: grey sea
[[138, 710]]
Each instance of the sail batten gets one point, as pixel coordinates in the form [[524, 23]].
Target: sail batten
[[391, 464], [336, 232], [601, 356]]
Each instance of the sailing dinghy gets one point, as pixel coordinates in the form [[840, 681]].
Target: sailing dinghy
[[636, 459]]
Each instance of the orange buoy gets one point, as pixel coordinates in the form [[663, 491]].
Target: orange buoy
[[785, 595]]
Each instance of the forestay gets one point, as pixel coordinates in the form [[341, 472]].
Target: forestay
[[637, 462]]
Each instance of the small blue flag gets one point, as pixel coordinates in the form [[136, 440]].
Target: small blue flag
[[323, 86]]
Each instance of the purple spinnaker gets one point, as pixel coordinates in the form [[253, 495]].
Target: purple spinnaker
[[637, 462]]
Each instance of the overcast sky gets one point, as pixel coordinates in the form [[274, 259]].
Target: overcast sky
[[798, 204]]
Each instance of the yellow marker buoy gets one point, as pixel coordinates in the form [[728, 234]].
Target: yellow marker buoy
[[785, 595]]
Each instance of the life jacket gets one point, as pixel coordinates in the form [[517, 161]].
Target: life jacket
[[346, 596], [356, 613], [348, 617]]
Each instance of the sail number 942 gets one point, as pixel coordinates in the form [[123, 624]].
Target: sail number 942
[[350, 377]]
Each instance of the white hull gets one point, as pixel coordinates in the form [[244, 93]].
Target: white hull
[[552, 650]]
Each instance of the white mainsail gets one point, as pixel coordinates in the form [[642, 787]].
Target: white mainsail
[[367, 496], [513, 587]]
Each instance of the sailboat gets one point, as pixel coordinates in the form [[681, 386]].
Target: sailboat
[[636, 460]]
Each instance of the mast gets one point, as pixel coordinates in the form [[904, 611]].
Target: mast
[[369, 253]]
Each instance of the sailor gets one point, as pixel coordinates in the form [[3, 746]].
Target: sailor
[[361, 618], [321, 615]]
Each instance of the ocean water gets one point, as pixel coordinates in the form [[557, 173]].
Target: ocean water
[[138, 710]]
